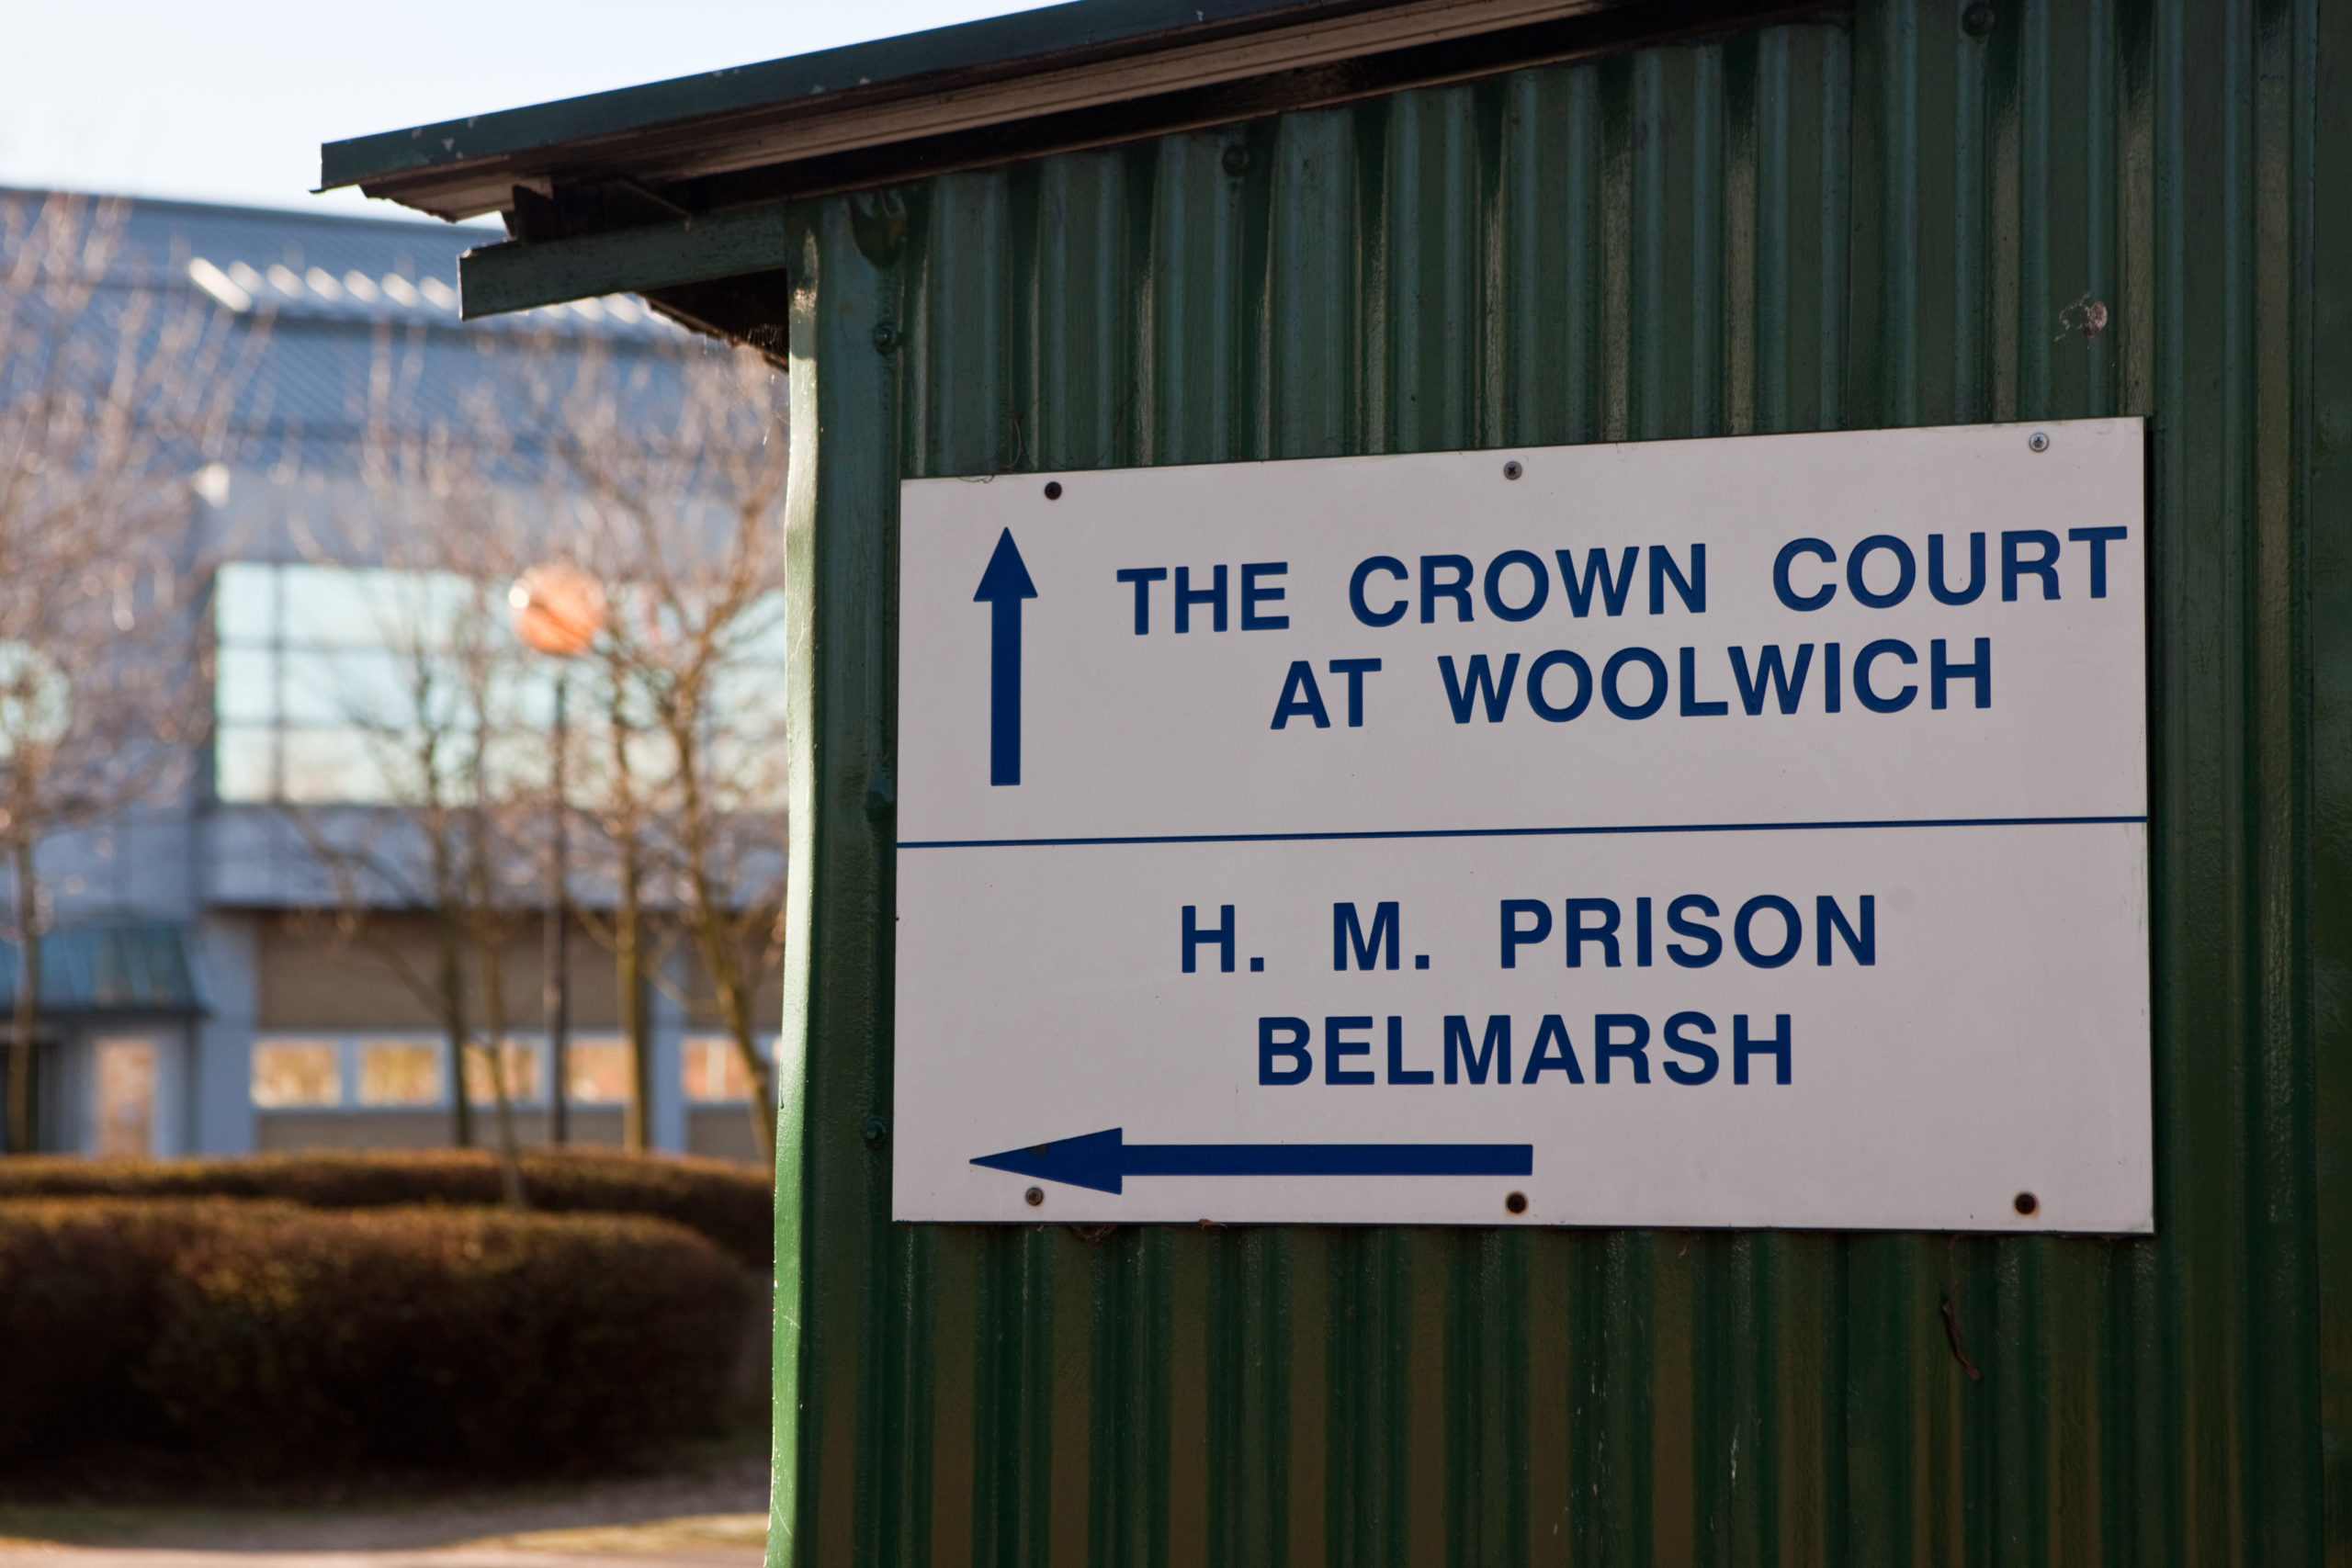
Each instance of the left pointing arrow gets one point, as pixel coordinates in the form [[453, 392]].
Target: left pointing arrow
[[1002, 587], [1104, 1160]]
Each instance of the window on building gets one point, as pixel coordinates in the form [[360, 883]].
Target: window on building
[[520, 1062], [714, 1071], [327, 679], [399, 1072], [595, 1070], [294, 1074], [327, 676]]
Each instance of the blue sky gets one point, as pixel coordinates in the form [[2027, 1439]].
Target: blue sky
[[230, 103]]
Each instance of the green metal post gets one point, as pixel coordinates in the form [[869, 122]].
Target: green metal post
[[832, 1194]]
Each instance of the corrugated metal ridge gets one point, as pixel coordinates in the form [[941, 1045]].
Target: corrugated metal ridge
[[1902, 221], [924, 86]]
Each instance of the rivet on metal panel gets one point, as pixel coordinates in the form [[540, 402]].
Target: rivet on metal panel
[[2027, 1203], [2038, 442], [1053, 489], [886, 337], [1237, 159], [875, 1131], [1034, 1196], [1977, 20], [1516, 1202], [1511, 470]]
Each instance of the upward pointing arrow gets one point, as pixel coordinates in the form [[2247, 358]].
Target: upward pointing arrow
[[1002, 587]]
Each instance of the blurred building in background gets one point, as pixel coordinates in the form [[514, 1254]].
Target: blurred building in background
[[203, 988]]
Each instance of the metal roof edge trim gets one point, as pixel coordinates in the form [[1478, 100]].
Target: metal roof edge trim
[[495, 279], [1011, 41], [1302, 43], [733, 239]]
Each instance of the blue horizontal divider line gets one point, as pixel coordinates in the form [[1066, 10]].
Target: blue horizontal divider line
[[1522, 832]]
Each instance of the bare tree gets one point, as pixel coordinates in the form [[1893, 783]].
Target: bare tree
[[674, 485], [656, 470], [428, 809], [116, 386]]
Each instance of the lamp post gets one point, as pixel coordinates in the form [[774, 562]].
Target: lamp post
[[557, 609]]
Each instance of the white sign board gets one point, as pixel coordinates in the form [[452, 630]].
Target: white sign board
[[1727, 832]]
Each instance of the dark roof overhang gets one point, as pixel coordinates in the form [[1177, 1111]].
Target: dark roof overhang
[[670, 189]]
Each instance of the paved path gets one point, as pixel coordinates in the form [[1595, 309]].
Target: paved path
[[711, 1517], [485, 1554]]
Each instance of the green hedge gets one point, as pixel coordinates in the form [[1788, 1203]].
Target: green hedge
[[266, 1341], [732, 1204]]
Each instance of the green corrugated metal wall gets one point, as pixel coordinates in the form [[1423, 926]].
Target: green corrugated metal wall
[[1893, 216]]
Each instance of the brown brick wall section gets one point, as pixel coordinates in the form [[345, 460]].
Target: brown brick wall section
[[314, 977]]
